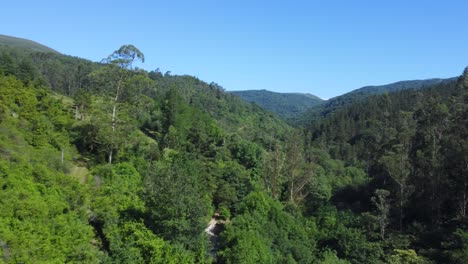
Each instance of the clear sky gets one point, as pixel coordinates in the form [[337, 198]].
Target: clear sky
[[324, 47]]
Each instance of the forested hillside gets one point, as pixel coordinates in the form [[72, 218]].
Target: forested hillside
[[285, 105], [24, 43], [413, 145], [347, 99], [299, 109], [108, 163]]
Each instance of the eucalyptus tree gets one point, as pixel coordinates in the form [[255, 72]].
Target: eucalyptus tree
[[113, 81], [380, 201], [397, 162]]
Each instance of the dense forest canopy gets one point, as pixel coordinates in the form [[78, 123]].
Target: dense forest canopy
[[108, 163], [336, 103]]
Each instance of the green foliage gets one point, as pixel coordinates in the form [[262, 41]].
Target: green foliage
[[405, 257], [63, 74], [341, 232], [362, 94], [37, 223], [119, 189], [285, 105], [176, 199], [249, 155], [457, 247], [406, 142], [329, 257], [233, 184], [263, 232], [235, 117], [249, 248], [383, 209], [182, 149], [224, 212], [43, 216], [133, 243]]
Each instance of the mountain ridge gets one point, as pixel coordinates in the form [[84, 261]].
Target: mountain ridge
[[25, 43], [399, 85], [362, 93], [285, 105]]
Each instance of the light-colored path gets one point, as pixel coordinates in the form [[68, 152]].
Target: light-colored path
[[211, 227]]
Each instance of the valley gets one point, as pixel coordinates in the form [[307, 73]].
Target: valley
[[105, 162]]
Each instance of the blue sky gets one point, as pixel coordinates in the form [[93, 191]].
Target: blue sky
[[325, 48]]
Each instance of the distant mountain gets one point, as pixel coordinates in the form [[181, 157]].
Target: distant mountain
[[360, 94], [285, 105], [24, 43], [366, 91]]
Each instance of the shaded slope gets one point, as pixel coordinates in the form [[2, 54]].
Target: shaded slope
[[366, 91], [347, 99], [286, 105]]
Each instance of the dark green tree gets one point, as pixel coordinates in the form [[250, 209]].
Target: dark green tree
[[176, 199]]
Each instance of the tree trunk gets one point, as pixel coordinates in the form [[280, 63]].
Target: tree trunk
[[382, 230], [465, 199], [291, 191], [401, 207], [463, 206], [114, 110], [110, 156], [114, 114], [76, 112]]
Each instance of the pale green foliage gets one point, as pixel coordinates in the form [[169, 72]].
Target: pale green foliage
[[383, 209], [132, 242], [329, 257], [43, 211], [408, 256], [118, 189]]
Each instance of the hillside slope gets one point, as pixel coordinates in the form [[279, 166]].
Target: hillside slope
[[347, 99], [24, 43], [285, 105], [366, 91], [119, 165]]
